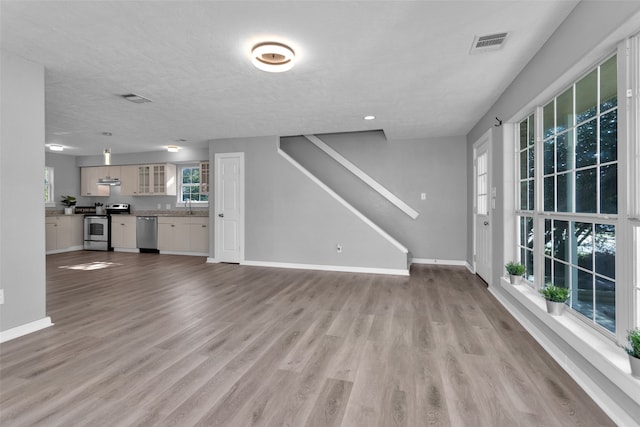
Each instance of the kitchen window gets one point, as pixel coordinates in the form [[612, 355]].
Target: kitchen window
[[193, 180], [48, 187]]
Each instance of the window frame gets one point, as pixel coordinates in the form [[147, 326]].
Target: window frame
[[194, 203], [49, 187]]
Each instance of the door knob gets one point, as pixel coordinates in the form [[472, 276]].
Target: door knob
[[486, 223], [221, 215]]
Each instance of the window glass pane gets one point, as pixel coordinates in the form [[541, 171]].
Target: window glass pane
[[609, 137], [548, 119], [547, 270], [560, 274], [586, 195], [547, 237], [523, 231], [524, 192], [562, 241], [582, 295], [523, 134], [583, 255], [532, 163], [531, 137], [609, 84], [606, 303], [565, 192], [609, 189], [529, 265], [529, 231], [564, 151], [549, 193], [531, 195], [605, 250], [586, 144], [549, 156], [523, 165], [587, 96], [564, 110]]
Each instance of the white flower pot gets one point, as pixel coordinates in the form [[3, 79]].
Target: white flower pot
[[635, 366], [69, 210], [555, 308], [514, 280]]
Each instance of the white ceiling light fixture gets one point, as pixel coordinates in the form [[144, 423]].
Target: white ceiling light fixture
[[173, 148], [56, 147], [273, 57], [369, 117]]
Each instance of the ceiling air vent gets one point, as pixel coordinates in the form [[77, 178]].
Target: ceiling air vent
[[136, 98], [487, 43]]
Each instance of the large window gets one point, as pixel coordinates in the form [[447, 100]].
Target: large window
[[579, 200], [193, 180], [48, 186]]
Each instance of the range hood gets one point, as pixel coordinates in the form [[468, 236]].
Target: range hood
[[109, 181]]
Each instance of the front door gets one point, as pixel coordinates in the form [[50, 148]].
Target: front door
[[229, 218], [482, 209]]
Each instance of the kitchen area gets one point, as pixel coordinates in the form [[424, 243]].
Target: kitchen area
[[128, 208]]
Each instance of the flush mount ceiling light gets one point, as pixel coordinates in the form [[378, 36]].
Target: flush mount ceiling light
[[173, 148], [273, 57], [369, 117], [135, 98], [56, 147]]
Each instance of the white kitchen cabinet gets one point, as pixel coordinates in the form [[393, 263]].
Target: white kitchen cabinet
[[183, 234], [123, 232], [89, 177], [157, 180], [129, 180], [64, 232]]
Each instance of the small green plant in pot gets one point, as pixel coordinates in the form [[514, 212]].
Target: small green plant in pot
[[515, 271], [555, 297], [69, 202], [633, 350]]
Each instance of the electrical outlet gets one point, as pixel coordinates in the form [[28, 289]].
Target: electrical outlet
[[159, 206], [423, 196], [1, 296], [339, 248]]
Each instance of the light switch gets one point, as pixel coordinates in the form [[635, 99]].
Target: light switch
[[423, 196]]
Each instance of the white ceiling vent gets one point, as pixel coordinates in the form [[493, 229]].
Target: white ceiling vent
[[488, 43], [138, 99]]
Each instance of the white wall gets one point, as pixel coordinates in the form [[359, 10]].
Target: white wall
[[22, 246]]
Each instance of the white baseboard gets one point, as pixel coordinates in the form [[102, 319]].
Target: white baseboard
[[131, 250], [69, 249], [339, 268], [438, 261], [25, 329], [184, 253]]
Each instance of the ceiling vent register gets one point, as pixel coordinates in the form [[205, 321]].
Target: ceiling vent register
[[487, 43]]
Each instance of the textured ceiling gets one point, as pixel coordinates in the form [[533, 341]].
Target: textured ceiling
[[407, 63]]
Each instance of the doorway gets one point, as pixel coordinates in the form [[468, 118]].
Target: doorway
[[229, 207], [483, 204]]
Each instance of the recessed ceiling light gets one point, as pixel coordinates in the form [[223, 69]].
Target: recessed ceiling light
[[273, 57], [173, 148], [369, 117], [135, 98], [56, 147]]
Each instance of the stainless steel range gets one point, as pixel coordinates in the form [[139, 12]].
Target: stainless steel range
[[97, 228]]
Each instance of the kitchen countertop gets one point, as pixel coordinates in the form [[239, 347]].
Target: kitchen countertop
[[170, 212]]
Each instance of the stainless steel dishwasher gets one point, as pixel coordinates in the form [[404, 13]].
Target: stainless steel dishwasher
[[147, 233]]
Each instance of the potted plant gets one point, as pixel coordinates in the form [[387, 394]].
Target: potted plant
[[69, 202], [515, 271], [555, 297], [633, 350]]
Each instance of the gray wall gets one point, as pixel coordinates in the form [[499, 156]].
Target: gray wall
[[435, 166], [66, 177], [22, 248], [289, 219]]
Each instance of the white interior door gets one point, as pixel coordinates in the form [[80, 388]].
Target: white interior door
[[229, 198], [482, 209]]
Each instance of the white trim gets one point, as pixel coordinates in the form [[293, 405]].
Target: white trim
[[69, 249], [212, 261], [343, 202], [440, 261], [241, 203], [607, 359], [363, 176], [188, 253], [25, 329], [130, 250], [339, 268]]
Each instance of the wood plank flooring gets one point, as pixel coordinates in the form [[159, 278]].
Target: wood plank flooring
[[161, 340]]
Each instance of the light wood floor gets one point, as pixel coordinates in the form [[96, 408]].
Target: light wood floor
[[170, 340]]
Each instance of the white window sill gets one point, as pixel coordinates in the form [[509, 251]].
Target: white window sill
[[608, 358], [193, 205], [50, 205]]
